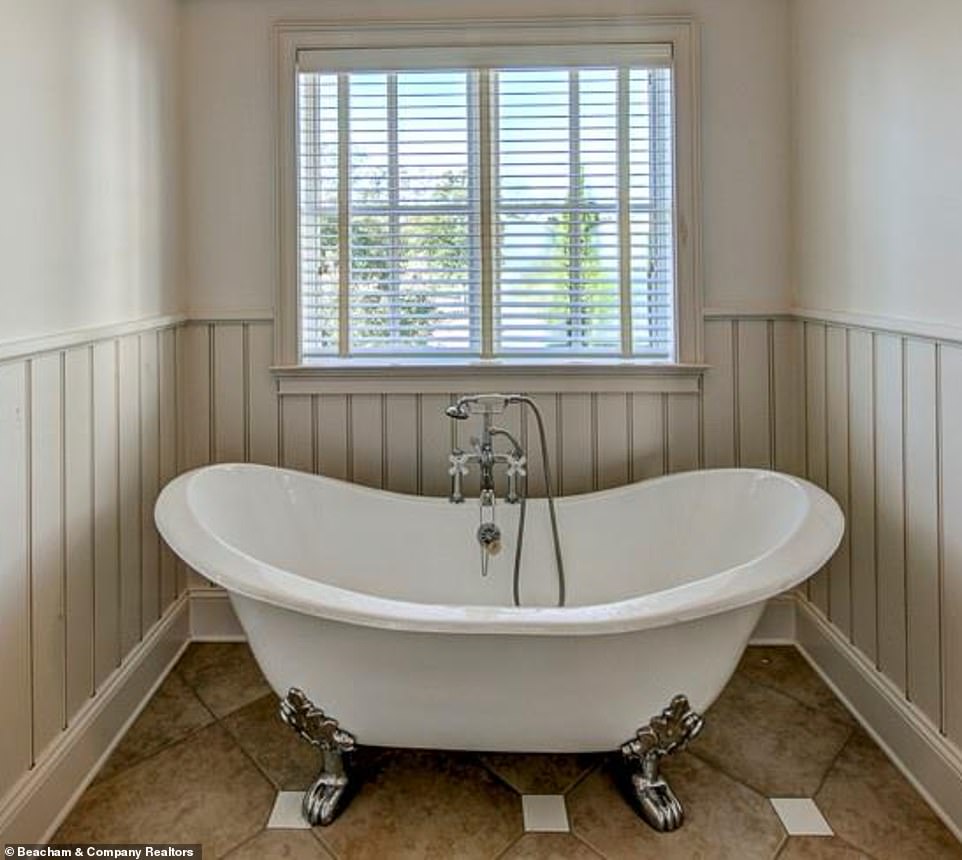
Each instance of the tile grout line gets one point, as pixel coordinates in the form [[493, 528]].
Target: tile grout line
[[740, 780], [242, 843], [782, 845], [693, 751], [498, 855], [792, 696], [802, 702], [584, 776], [831, 767], [316, 832], [327, 849], [589, 843]]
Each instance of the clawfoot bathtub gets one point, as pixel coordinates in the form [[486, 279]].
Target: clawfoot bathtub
[[367, 612]]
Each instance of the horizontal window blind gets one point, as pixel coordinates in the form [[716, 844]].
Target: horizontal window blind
[[536, 202]]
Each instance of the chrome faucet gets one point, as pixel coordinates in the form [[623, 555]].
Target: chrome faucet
[[489, 534], [482, 450]]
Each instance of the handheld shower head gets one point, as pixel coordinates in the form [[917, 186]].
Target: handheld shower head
[[482, 404], [459, 411]]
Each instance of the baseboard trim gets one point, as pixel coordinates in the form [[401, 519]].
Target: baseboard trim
[[212, 618], [777, 624], [927, 760], [71, 762]]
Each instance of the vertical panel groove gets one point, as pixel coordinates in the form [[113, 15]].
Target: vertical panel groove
[[349, 436], [158, 351], [903, 351], [63, 531], [940, 533], [28, 517], [806, 441], [804, 404], [875, 502], [559, 443], [281, 447], [117, 489], [736, 395], [246, 350], [700, 422], [316, 445], [665, 443], [384, 437], [178, 445], [211, 392], [315, 436], [825, 438], [140, 485], [593, 423], [848, 473], [93, 521], [419, 443], [772, 399]]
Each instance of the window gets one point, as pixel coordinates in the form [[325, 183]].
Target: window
[[471, 202]]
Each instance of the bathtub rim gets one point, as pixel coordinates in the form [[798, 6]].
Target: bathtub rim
[[784, 566]]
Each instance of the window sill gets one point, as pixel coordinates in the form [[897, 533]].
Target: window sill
[[414, 376]]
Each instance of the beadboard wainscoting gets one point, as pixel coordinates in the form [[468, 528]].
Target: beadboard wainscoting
[[88, 435], [883, 432], [747, 413], [90, 430]]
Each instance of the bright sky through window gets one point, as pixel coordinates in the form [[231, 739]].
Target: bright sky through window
[[507, 212]]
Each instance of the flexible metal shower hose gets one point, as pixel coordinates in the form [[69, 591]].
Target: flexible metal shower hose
[[549, 494]]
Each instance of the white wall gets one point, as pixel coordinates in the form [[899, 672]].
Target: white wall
[[878, 224], [878, 139], [89, 172], [90, 222], [230, 164]]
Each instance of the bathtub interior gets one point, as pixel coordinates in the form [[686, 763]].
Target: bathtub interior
[[617, 544]]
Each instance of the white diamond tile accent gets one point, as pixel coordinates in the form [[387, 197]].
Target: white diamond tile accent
[[544, 813], [286, 814], [801, 817]]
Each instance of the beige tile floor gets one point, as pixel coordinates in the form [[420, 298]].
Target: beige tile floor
[[205, 760]]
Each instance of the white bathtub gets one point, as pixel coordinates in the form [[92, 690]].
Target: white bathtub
[[373, 602]]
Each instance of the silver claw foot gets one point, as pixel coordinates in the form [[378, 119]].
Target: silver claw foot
[[669, 732], [322, 800]]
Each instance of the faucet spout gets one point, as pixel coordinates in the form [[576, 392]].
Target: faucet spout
[[483, 453]]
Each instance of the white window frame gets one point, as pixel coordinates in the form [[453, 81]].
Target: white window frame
[[464, 38]]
